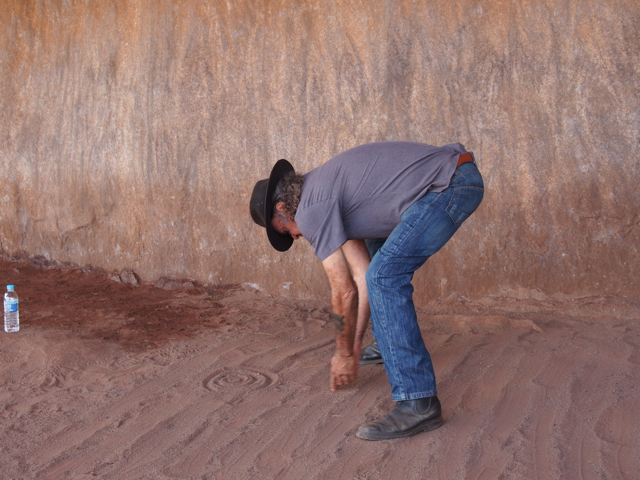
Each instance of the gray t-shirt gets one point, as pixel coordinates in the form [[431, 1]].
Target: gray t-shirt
[[362, 192]]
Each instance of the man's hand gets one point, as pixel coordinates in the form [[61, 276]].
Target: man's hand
[[344, 370]]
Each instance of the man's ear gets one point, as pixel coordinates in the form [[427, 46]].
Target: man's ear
[[280, 207]]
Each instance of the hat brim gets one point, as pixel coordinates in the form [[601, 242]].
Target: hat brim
[[280, 242]]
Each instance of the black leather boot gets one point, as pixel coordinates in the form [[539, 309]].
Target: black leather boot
[[405, 420], [371, 354]]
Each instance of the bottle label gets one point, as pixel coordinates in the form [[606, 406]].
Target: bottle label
[[10, 307]]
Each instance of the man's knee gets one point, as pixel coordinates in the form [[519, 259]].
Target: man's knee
[[379, 275], [370, 276]]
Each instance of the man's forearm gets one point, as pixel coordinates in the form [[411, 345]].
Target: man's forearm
[[344, 316], [357, 256], [364, 312]]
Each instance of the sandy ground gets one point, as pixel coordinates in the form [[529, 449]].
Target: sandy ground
[[115, 381]]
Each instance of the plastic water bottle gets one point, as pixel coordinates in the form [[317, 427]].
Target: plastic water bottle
[[11, 314]]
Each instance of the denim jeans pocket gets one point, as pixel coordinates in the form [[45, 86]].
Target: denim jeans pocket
[[464, 201]]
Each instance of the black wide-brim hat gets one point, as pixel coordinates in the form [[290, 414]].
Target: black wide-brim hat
[[261, 205]]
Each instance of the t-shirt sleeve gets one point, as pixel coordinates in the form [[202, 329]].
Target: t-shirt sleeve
[[321, 224]]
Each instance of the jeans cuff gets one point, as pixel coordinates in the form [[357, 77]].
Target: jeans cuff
[[413, 396]]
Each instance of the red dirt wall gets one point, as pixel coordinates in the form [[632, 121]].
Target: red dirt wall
[[133, 132]]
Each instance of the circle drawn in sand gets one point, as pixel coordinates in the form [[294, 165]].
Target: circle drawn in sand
[[238, 379]]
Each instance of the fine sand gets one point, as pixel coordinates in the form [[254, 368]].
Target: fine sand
[[177, 380]]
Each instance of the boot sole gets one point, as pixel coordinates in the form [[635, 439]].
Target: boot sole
[[371, 362], [423, 427]]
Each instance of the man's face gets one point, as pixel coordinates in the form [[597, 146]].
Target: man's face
[[283, 226]]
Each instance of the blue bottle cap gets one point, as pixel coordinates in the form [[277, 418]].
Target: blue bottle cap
[[9, 287]]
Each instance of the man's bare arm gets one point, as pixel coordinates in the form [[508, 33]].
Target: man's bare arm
[[357, 256], [344, 300]]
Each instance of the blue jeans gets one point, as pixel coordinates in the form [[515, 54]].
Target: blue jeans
[[423, 230]]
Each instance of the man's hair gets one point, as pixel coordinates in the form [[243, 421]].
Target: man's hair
[[288, 191]]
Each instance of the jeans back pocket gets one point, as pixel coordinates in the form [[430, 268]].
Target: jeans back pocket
[[464, 201]]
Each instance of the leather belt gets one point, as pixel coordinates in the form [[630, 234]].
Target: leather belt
[[465, 158]]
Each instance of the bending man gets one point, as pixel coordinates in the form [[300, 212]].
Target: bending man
[[374, 214]]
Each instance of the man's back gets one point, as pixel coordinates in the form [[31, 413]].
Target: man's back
[[362, 192]]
